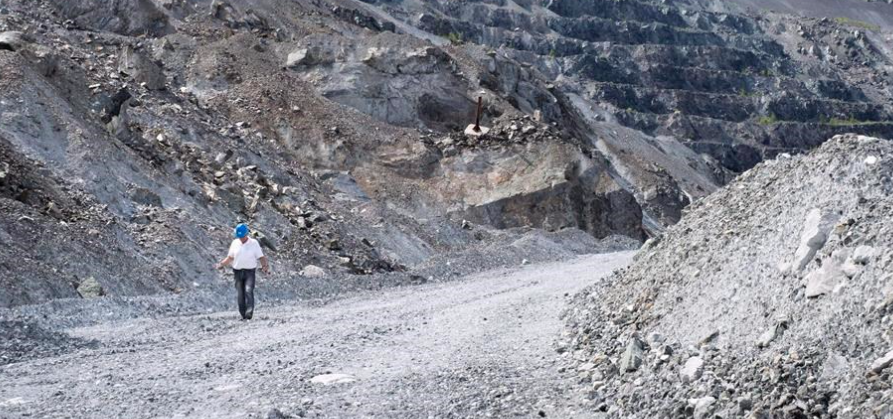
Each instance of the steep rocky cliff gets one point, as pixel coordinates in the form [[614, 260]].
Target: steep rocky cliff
[[134, 133]]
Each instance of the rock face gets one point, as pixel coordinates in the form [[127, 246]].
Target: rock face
[[160, 124], [787, 341], [142, 69]]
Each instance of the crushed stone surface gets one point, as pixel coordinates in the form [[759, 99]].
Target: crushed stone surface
[[476, 347]]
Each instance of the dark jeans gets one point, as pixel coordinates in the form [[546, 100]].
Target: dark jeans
[[245, 291]]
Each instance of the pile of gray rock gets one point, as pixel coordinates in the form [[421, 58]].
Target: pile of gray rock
[[506, 131], [770, 298]]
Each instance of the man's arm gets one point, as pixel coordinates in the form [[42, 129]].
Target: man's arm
[[264, 265], [226, 261]]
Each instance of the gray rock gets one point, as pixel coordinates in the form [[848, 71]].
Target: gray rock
[[90, 288], [141, 68], [276, 414], [772, 333], [632, 356], [813, 237], [12, 40], [235, 201], [745, 404], [223, 157], [145, 196], [310, 56]]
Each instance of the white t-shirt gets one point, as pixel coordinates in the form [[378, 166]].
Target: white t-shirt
[[245, 255]]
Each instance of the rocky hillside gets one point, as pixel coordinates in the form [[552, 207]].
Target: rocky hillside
[[135, 133], [770, 298]]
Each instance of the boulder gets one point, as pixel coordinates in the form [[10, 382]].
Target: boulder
[[277, 414], [472, 132], [816, 227], [310, 56], [692, 369], [882, 363], [702, 406], [12, 40], [772, 333], [141, 68], [863, 254], [632, 356], [145, 196], [313, 271], [90, 288], [826, 278]]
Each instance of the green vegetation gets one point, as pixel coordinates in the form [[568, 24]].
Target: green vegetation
[[840, 122], [857, 23], [747, 93], [454, 38], [771, 119], [768, 119], [552, 53]]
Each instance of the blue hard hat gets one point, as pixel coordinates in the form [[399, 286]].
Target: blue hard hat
[[240, 231]]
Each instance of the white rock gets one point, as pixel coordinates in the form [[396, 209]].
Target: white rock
[[12, 40], [835, 367], [692, 369], [826, 278], [784, 268], [813, 237], [586, 366], [655, 338], [870, 160], [882, 363], [470, 131], [330, 379], [769, 335], [313, 271], [850, 268], [702, 406], [863, 254]]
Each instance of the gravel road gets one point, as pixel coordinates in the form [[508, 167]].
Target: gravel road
[[481, 346]]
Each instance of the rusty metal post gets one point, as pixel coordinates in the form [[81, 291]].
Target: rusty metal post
[[477, 119]]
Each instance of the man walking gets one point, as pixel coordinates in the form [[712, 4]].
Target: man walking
[[244, 252]]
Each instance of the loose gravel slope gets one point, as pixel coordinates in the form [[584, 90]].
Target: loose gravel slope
[[770, 299]]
